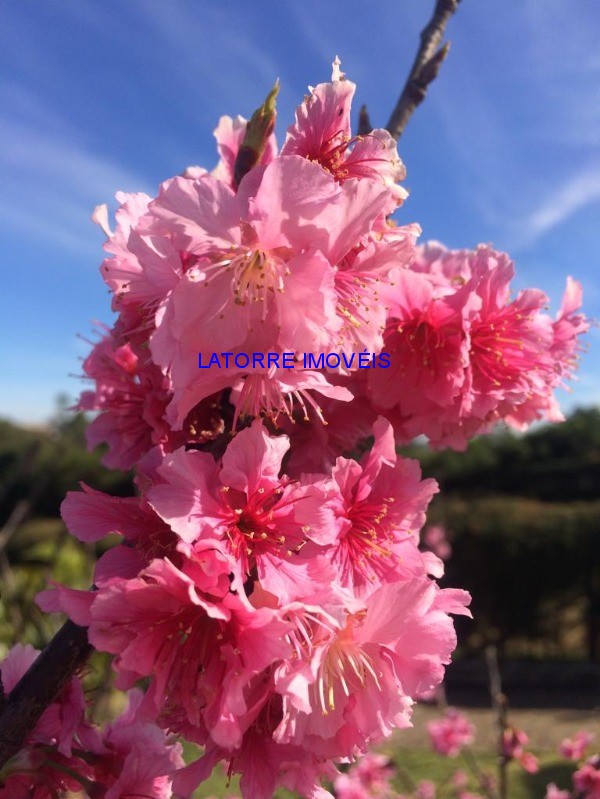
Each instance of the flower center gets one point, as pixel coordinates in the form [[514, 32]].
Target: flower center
[[368, 540], [346, 667], [256, 275]]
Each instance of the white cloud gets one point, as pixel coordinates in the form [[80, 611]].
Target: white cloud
[[576, 193], [52, 181]]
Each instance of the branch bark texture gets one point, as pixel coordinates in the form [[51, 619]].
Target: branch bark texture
[[40, 685], [429, 59]]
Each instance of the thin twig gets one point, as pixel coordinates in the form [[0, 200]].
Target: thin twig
[[499, 704], [40, 686], [426, 66]]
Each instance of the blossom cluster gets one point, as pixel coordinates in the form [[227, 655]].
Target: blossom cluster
[[269, 589], [64, 752]]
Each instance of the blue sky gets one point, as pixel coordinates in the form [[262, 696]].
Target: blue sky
[[102, 95]]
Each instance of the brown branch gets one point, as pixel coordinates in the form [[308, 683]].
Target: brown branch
[[40, 685], [364, 122], [426, 66]]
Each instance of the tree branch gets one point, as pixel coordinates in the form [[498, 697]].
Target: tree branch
[[425, 68], [39, 686], [364, 122]]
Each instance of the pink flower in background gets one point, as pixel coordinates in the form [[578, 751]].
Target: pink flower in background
[[514, 742], [449, 734], [529, 762], [368, 778], [426, 790], [574, 748], [553, 792], [460, 779], [436, 540], [587, 779]]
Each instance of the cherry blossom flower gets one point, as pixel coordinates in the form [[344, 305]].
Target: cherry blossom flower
[[377, 508], [322, 134], [553, 792], [449, 734], [514, 742], [241, 505], [586, 779], [574, 748]]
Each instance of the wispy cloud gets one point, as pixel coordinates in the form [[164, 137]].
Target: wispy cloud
[[573, 195], [52, 180], [221, 38]]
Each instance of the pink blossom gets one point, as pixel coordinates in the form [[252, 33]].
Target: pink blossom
[[322, 134], [263, 267], [529, 762], [377, 508], [132, 396], [449, 734], [91, 515], [553, 792], [357, 675], [425, 790], [37, 771], [369, 777], [165, 623], [428, 342], [435, 539], [363, 288], [464, 354], [374, 771], [574, 748], [62, 720], [262, 763], [142, 268], [135, 757], [514, 742], [460, 779], [586, 779], [347, 787], [568, 326], [260, 520]]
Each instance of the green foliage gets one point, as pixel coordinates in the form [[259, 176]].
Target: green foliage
[[523, 561], [523, 513], [554, 463], [37, 468], [40, 466]]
